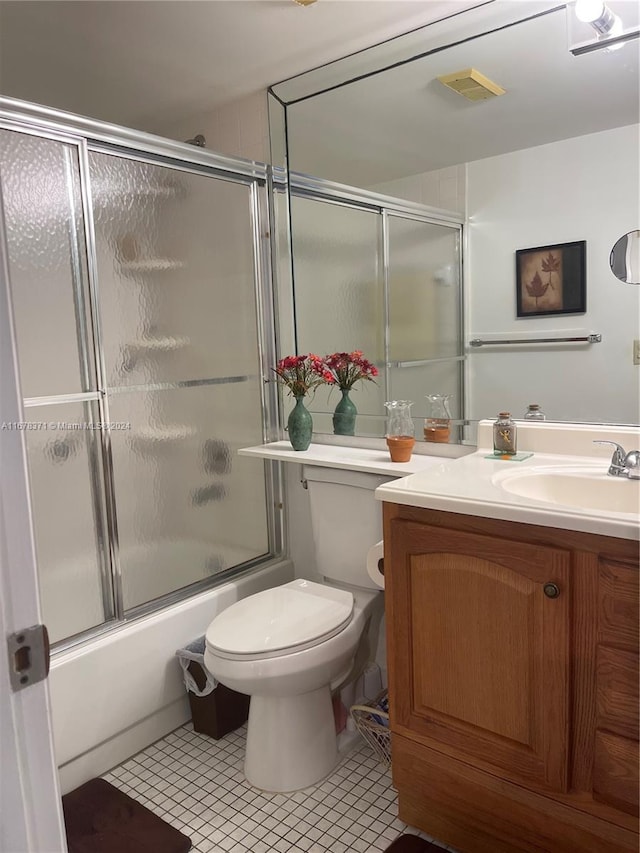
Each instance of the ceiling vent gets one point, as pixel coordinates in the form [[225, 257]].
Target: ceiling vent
[[471, 84]]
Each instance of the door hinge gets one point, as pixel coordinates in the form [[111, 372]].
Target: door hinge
[[28, 656]]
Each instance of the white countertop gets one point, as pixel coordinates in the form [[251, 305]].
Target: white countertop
[[465, 486], [339, 456]]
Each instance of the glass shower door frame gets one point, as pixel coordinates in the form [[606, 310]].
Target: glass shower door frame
[[89, 365], [389, 213], [387, 207], [87, 135], [266, 349]]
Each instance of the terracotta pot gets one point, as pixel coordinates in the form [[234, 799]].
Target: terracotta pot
[[400, 447]]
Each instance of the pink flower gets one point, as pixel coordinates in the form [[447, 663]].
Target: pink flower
[[348, 368], [300, 373], [303, 373]]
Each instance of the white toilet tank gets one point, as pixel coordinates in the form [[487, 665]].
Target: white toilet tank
[[346, 521]]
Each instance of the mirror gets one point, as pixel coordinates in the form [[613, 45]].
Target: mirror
[[551, 163], [625, 258]]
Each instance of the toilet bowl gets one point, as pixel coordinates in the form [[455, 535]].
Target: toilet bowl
[[289, 647]]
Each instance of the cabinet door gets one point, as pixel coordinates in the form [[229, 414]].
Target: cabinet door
[[615, 759], [478, 651]]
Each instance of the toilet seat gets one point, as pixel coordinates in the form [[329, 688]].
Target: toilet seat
[[286, 619]]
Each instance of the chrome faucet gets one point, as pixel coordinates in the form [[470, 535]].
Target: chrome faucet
[[623, 464]]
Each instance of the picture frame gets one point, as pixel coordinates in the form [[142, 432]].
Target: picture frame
[[551, 280]]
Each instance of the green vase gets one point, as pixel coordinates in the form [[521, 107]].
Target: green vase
[[344, 417], [300, 426]]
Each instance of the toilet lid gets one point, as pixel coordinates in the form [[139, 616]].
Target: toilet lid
[[300, 613]]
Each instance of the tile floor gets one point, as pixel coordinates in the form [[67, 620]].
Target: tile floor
[[196, 784]]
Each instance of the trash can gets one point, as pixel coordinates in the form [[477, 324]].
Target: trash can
[[216, 710]]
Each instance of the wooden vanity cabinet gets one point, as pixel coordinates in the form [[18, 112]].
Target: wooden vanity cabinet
[[513, 682]]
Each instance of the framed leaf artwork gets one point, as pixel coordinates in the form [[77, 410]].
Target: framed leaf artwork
[[551, 280]]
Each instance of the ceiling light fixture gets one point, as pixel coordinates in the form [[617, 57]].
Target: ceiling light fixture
[[598, 15], [304, 2], [611, 33]]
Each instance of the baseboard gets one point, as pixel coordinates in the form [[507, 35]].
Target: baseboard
[[125, 744]]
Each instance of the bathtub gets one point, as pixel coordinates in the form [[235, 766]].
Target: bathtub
[[113, 696]]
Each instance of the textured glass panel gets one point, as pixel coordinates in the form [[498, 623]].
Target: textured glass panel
[[338, 287], [175, 271], [63, 466], [188, 506], [424, 290], [414, 383], [339, 298], [47, 263]]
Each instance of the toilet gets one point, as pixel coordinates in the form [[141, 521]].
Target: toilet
[[289, 647]]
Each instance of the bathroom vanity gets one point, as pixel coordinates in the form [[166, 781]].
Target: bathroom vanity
[[513, 633]]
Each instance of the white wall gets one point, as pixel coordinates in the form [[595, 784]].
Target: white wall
[[443, 188], [584, 188], [116, 695], [239, 128]]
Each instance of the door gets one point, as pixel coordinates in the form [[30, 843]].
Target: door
[[30, 810], [479, 658]]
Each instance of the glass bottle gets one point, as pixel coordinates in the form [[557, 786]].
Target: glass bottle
[[437, 424], [400, 430], [504, 435], [534, 413]]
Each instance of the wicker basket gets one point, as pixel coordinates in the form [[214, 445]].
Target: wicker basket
[[372, 721]]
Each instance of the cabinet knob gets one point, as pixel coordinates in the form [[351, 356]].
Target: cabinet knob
[[551, 590]]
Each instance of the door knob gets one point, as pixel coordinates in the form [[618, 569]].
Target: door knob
[[551, 590]]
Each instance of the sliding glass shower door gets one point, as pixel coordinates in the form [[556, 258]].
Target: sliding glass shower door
[[175, 267], [135, 284], [374, 276], [339, 296], [48, 268], [426, 350]]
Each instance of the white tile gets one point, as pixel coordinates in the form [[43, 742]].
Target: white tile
[[323, 824], [293, 836], [335, 831], [369, 835], [259, 846], [197, 785], [270, 839], [314, 833]]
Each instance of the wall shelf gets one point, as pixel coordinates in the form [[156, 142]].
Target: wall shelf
[[339, 456]]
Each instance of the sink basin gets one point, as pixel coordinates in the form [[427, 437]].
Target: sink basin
[[582, 488]]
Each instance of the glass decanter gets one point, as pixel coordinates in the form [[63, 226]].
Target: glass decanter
[[437, 424], [400, 430]]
